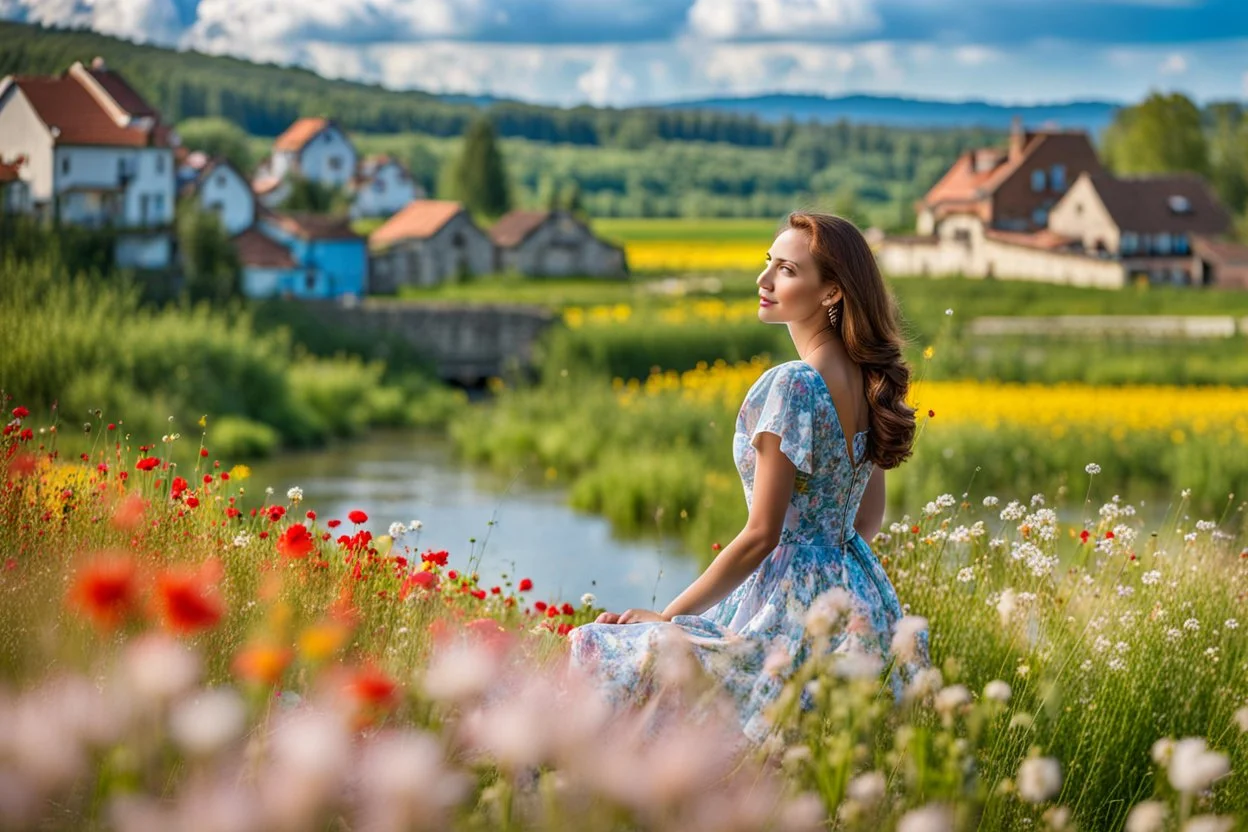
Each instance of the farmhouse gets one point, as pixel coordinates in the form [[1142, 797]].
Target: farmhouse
[[427, 243], [553, 244], [313, 148], [382, 187], [94, 154]]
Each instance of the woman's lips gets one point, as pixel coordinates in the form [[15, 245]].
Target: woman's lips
[[762, 301]]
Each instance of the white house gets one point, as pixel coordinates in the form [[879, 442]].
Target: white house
[[314, 148], [383, 187], [220, 188], [96, 154]]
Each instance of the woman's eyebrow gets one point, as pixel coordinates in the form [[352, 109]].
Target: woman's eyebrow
[[781, 259]]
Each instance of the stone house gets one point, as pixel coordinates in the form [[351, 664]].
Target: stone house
[[382, 187], [1146, 223], [426, 243], [553, 244], [316, 149], [95, 154]]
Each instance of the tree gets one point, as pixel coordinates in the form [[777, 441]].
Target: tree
[[1228, 154], [209, 262], [1162, 134], [313, 197], [478, 177], [217, 137]]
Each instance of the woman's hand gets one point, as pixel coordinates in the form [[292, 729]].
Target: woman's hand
[[630, 617]]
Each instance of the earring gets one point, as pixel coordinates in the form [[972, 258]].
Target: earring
[[834, 314]]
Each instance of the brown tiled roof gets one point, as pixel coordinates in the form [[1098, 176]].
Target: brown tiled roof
[[124, 94], [1224, 252], [1144, 205], [1042, 239], [512, 229], [313, 226], [257, 250], [419, 219], [65, 104], [964, 183], [300, 133]]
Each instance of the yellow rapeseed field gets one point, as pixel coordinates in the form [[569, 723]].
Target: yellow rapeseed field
[[702, 310], [703, 255], [1217, 413]]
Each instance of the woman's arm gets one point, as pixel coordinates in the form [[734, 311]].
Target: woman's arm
[[871, 510], [774, 476]]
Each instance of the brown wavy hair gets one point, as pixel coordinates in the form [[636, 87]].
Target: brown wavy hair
[[869, 328]]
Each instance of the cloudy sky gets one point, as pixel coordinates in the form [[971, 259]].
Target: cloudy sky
[[623, 52]]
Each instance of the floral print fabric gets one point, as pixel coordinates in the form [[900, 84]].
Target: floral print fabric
[[764, 618]]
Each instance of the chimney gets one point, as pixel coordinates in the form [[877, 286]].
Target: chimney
[[1018, 137], [97, 63]]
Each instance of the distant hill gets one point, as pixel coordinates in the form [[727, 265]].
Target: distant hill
[[1092, 116]]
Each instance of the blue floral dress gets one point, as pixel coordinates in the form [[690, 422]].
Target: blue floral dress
[[818, 550]]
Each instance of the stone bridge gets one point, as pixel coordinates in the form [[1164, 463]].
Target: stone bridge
[[467, 343]]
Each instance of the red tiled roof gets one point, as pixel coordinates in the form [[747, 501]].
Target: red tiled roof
[[64, 104], [257, 250], [300, 133], [1042, 239], [964, 182], [514, 228], [313, 226], [420, 219], [1225, 252], [124, 94], [1143, 204]]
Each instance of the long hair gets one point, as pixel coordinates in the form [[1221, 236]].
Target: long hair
[[868, 326]]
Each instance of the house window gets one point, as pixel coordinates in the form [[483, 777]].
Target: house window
[[335, 164], [379, 186], [1180, 244], [159, 201], [1145, 242], [65, 165], [121, 170], [1040, 216], [160, 163], [1057, 175], [1037, 180], [1078, 209], [1162, 243], [220, 180], [1129, 242], [309, 282]]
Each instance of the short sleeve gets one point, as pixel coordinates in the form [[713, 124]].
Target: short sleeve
[[788, 412]]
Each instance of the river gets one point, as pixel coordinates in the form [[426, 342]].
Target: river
[[520, 531]]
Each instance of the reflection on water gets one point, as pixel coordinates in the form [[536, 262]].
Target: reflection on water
[[400, 477]]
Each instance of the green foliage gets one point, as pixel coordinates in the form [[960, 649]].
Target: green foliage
[[479, 176], [210, 264], [218, 137], [311, 197], [1161, 134]]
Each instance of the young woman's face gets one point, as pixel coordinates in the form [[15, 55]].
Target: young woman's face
[[790, 288]]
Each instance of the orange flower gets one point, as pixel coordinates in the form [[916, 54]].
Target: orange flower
[[371, 687], [321, 641], [129, 512], [262, 663], [106, 590], [188, 598]]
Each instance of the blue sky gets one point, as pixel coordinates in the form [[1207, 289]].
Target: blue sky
[[624, 52]]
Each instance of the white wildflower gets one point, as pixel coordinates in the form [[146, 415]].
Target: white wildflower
[[1039, 779], [397, 530], [1150, 577], [1241, 719], [1191, 624], [1100, 645], [1209, 823], [1149, 816], [966, 575], [588, 599], [1173, 634], [931, 818], [1124, 591], [268, 492], [294, 494], [1037, 499], [241, 540], [1230, 624], [1162, 750], [1116, 664], [1193, 767], [1092, 468], [415, 526], [989, 502], [825, 612], [1185, 493], [868, 789], [997, 690], [206, 724], [952, 698], [1014, 511], [1006, 605], [905, 644], [949, 312]]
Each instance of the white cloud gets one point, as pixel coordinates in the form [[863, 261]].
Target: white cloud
[[607, 81], [154, 21], [751, 19], [1174, 64], [975, 55]]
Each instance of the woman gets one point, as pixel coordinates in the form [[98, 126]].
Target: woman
[[813, 439]]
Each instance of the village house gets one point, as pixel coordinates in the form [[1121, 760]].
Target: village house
[[1045, 210], [95, 154], [553, 244], [428, 242], [14, 193], [313, 148], [329, 259], [382, 187], [220, 188]]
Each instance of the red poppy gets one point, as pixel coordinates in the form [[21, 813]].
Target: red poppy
[[931, 414], [914, 529], [424, 580], [1109, 535], [276, 513], [540, 606], [357, 517], [525, 584], [296, 542], [453, 575], [129, 512], [147, 463], [179, 485], [20, 412], [192, 501], [106, 590], [188, 597], [1084, 535], [333, 524], [371, 686], [203, 452], [715, 547], [479, 594], [232, 512], [552, 611], [311, 515], [439, 558], [496, 590], [565, 628]]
